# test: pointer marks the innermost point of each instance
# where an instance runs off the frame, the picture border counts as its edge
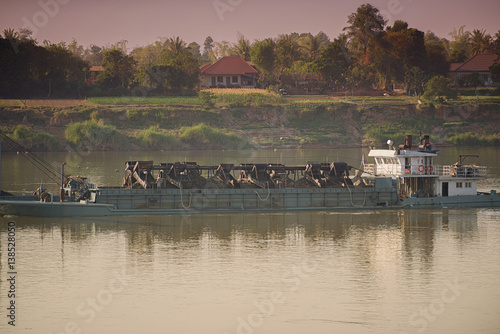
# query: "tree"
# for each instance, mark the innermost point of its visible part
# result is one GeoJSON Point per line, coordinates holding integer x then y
{"type": "Point", "coordinates": [459, 47]}
{"type": "Point", "coordinates": [415, 78]}
{"type": "Point", "coordinates": [21, 66]}
{"type": "Point", "coordinates": [64, 70]}
{"type": "Point", "coordinates": [287, 51]}
{"type": "Point", "coordinates": [263, 56]}
{"type": "Point", "coordinates": [181, 72]}
{"type": "Point", "coordinates": [437, 56]}
{"type": "Point", "coordinates": [75, 49]}
{"type": "Point", "coordinates": [147, 57]}
{"type": "Point", "coordinates": [207, 50]}
{"type": "Point", "coordinates": [396, 50]}
{"type": "Point", "coordinates": [166, 67]}
{"type": "Point", "coordinates": [438, 88]}
{"type": "Point", "coordinates": [496, 44]}
{"type": "Point", "coordinates": [29, 70]}
{"type": "Point", "coordinates": [194, 49]}
{"type": "Point", "coordinates": [398, 26]}
{"type": "Point", "coordinates": [365, 24]}
{"type": "Point", "coordinates": [175, 45]}
{"type": "Point", "coordinates": [495, 73]}
{"type": "Point", "coordinates": [315, 44]}
{"type": "Point", "coordinates": [119, 68]}
{"type": "Point", "coordinates": [242, 47]}
{"type": "Point", "coordinates": [480, 42]}
{"type": "Point", "coordinates": [222, 49]}
{"type": "Point", "coordinates": [334, 62]}
{"type": "Point", "coordinates": [93, 55]}
{"type": "Point", "coordinates": [384, 59]}
{"type": "Point", "coordinates": [11, 34]}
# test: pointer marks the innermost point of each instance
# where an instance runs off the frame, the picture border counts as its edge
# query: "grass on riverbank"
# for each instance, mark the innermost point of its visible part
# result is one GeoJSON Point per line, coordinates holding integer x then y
{"type": "Point", "coordinates": [129, 100]}
{"type": "Point", "coordinates": [212, 138]}
{"type": "Point", "coordinates": [473, 139]}
{"type": "Point", "coordinates": [154, 138]}
{"type": "Point", "coordinates": [93, 135]}
{"type": "Point", "coordinates": [36, 141]}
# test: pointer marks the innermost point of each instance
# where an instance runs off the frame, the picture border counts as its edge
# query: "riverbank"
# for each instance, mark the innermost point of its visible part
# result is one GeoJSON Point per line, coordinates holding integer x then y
{"type": "Point", "coordinates": [254, 121]}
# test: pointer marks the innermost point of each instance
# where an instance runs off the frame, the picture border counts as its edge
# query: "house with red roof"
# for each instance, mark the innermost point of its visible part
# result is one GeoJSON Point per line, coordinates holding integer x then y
{"type": "Point", "coordinates": [479, 64]}
{"type": "Point", "coordinates": [229, 72]}
{"type": "Point", "coordinates": [93, 73]}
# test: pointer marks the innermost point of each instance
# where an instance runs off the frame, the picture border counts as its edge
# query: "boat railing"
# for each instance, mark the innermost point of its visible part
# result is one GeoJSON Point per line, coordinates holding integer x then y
{"type": "Point", "coordinates": [461, 171]}
{"type": "Point", "coordinates": [369, 168]}
{"type": "Point", "coordinates": [442, 170]}
{"type": "Point", "coordinates": [387, 169]}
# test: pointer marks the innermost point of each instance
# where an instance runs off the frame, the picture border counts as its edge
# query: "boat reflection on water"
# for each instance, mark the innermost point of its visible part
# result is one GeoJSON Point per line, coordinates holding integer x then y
{"type": "Point", "coordinates": [412, 226]}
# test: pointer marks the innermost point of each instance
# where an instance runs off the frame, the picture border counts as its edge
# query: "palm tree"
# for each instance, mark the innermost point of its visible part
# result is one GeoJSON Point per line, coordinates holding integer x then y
{"type": "Point", "coordinates": [496, 43]}
{"type": "Point", "coordinates": [11, 34]}
{"type": "Point", "coordinates": [288, 50]}
{"type": "Point", "coordinates": [480, 42]}
{"type": "Point", "coordinates": [315, 44]}
{"type": "Point", "coordinates": [176, 45]}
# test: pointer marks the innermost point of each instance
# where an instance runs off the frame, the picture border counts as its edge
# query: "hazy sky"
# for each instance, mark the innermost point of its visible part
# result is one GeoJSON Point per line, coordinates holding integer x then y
{"type": "Point", "coordinates": [141, 22]}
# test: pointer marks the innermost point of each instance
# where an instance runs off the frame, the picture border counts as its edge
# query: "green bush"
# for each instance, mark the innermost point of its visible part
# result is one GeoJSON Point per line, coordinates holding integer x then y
{"type": "Point", "coordinates": [438, 88]}
{"type": "Point", "coordinates": [92, 135]}
{"type": "Point", "coordinates": [95, 116]}
{"type": "Point", "coordinates": [132, 114]}
{"type": "Point", "coordinates": [207, 99]}
{"type": "Point", "coordinates": [34, 140]}
{"type": "Point", "coordinates": [472, 139]}
{"type": "Point", "coordinates": [157, 139]}
{"type": "Point", "coordinates": [212, 138]}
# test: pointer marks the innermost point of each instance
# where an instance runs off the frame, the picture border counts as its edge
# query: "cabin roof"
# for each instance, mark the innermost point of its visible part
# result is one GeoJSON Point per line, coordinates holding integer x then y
{"type": "Point", "coordinates": [399, 154]}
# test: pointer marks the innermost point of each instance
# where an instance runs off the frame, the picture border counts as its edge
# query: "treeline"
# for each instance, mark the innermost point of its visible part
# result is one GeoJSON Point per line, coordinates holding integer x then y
{"type": "Point", "coordinates": [367, 54]}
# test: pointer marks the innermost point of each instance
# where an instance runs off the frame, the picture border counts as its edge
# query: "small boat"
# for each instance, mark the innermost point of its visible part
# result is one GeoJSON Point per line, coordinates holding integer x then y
{"type": "Point", "coordinates": [400, 178]}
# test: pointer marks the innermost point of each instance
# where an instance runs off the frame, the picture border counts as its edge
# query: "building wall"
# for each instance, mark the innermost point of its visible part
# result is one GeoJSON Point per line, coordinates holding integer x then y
{"type": "Point", "coordinates": [234, 81]}
{"type": "Point", "coordinates": [457, 187]}
{"type": "Point", "coordinates": [460, 78]}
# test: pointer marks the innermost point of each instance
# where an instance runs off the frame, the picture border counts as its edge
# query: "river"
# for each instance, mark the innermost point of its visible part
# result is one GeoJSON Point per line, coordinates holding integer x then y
{"type": "Point", "coordinates": [387, 271]}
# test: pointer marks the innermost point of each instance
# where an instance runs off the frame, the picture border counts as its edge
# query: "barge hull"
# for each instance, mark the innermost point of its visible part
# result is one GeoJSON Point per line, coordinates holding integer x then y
{"type": "Point", "coordinates": [466, 201]}
{"type": "Point", "coordinates": [151, 202]}
{"type": "Point", "coordinates": [174, 201]}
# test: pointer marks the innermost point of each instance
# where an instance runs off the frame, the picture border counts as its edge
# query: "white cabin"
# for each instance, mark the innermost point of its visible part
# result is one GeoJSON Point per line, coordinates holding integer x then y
{"type": "Point", "coordinates": [418, 176]}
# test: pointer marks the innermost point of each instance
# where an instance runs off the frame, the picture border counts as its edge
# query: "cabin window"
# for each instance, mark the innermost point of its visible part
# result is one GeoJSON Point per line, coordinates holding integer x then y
{"type": "Point", "coordinates": [235, 79]}
{"type": "Point", "coordinates": [459, 184]}
{"type": "Point", "coordinates": [468, 184]}
{"type": "Point", "coordinates": [220, 79]}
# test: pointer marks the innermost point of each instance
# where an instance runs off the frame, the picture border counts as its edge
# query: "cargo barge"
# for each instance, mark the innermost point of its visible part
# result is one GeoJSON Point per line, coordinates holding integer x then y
{"type": "Point", "coordinates": [401, 177]}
